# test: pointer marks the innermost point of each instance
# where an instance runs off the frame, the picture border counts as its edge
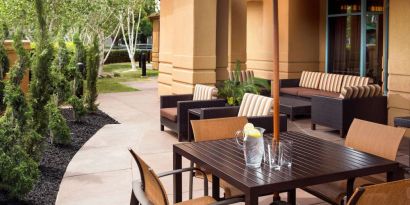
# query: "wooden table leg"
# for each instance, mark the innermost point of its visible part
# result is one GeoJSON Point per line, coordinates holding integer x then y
{"type": "Point", "coordinates": [397, 174]}
{"type": "Point", "coordinates": [177, 178]}
{"type": "Point", "coordinates": [251, 199]}
{"type": "Point", "coordinates": [215, 188]}
{"type": "Point", "coordinates": [292, 197]}
{"type": "Point", "coordinates": [349, 188]}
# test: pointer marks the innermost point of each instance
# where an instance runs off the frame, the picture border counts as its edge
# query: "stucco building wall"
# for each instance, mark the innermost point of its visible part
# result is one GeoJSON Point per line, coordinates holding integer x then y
{"type": "Point", "coordinates": [399, 63]}
{"type": "Point", "coordinates": [12, 56]}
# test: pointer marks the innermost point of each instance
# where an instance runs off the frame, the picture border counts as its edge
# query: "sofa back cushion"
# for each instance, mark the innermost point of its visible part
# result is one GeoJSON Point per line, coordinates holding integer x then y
{"type": "Point", "coordinates": [204, 92]}
{"type": "Point", "coordinates": [310, 79]}
{"type": "Point", "coordinates": [255, 105]}
{"type": "Point", "coordinates": [350, 80]}
{"type": "Point", "coordinates": [242, 76]}
{"type": "Point", "coordinates": [361, 91]}
{"type": "Point", "coordinates": [331, 82]}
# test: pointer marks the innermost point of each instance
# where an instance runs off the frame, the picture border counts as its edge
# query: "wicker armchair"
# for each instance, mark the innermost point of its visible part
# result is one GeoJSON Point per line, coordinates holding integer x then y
{"type": "Point", "coordinates": [256, 108]}
{"type": "Point", "coordinates": [150, 191]}
{"type": "Point", "coordinates": [383, 194]}
{"type": "Point", "coordinates": [174, 108]}
{"type": "Point", "coordinates": [372, 138]}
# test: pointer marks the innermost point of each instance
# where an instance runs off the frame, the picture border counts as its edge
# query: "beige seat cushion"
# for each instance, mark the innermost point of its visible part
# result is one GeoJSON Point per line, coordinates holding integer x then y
{"type": "Point", "coordinates": [169, 113]}
{"type": "Point", "coordinates": [312, 92]}
{"type": "Point", "coordinates": [293, 90]}
{"type": "Point", "coordinates": [198, 201]}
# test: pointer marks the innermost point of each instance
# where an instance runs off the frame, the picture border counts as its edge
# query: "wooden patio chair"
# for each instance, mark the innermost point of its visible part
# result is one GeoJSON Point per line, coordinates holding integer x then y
{"type": "Point", "coordinates": [369, 137]}
{"type": "Point", "coordinates": [217, 129]}
{"type": "Point", "coordinates": [397, 193]}
{"type": "Point", "coordinates": [150, 191]}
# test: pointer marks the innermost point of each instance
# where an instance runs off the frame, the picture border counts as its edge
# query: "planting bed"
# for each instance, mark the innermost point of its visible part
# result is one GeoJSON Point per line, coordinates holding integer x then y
{"type": "Point", "coordinates": [56, 158]}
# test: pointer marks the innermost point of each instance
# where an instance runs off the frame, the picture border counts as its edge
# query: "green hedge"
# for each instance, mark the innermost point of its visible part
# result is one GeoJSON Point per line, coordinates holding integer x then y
{"type": "Point", "coordinates": [119, 56]}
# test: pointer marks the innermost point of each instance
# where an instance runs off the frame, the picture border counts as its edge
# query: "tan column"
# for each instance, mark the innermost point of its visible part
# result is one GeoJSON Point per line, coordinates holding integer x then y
{"type": "Point", "coordinates": [237, 34]}
{"type": "Point", "coordinates": [166, 48]}
{"type": "Point", "coordinates": [399, 63]}
{"type": "Point", "coordinates": [155, 40]}
{"type": "Point", "coordinates": [194, 44]}
{"type": "Point", "coordinates": [222, 40]}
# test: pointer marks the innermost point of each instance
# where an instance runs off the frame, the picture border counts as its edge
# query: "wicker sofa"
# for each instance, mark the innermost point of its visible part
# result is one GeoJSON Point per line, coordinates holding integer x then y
{"type": "Point", "coordinates": [174, 108]}
{"type": "Point", "coordinates": [338, 99]}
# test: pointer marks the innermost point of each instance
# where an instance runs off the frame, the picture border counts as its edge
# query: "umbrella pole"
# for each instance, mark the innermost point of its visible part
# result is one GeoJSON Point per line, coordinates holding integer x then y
{"type": "Point", "coordinates": [275, 81]}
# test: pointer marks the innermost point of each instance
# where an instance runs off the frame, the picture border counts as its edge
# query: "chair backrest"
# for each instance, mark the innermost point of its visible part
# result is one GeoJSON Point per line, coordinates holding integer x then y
{"type": "Point", "coordinates": [255, 105]}
{"type": "Point", "coordinates": [397, 193]}
{"type": "Point", "coordinates": [204, 92]}
{"type": "Point", "coordinates": [373, 138]}
{"type": "Point", "coordinates": [216, 129]}
{"type": "Point", "coordinates": [152, 187]}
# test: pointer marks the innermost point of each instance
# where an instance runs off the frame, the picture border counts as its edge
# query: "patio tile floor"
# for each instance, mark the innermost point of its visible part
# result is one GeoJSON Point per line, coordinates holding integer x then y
{"type": "Point", "coordinates": [102, 171]}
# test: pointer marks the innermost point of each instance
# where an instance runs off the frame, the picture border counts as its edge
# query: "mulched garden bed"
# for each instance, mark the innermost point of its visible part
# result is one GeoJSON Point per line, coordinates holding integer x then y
{"type": "Point", "coordinates": [56, 158]}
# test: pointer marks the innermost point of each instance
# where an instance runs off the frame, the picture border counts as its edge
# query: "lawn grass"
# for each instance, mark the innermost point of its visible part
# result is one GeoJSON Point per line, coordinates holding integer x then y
{"type": "Point", "coordinates": [113, 85]}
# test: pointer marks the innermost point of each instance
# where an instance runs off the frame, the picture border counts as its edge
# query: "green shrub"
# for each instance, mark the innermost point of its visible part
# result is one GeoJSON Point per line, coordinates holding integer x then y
{"type": "Point", "coordinates": [78, 107]}
{"type": "Point", "coordinates": [20, 144]}
{"type": "Point", "coordinates": [59, 131]}
{"type": "Point", "coordinates": [60, 71]}
{"type": "Point", "coordinates": [41, 79]}
{"type": "Point", "coordinates": [4, 66]}
{"type": "Point", "coordinates": [233, 91]}
{"type": "Point", "coordinates": [80, 56]}
{"type": "Point", "coordinates": [120, 56]}
{"type": "Point", "coordinates": [93, 59]}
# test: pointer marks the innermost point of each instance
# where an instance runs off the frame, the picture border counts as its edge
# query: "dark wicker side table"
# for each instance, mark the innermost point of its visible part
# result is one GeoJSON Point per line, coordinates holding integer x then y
{"type": "Point", "coordinates": [403, 122]}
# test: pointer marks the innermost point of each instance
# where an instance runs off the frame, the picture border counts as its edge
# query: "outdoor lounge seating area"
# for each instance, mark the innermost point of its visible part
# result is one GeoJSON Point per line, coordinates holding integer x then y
{"type": "Point", "coordinates": [205, 102]}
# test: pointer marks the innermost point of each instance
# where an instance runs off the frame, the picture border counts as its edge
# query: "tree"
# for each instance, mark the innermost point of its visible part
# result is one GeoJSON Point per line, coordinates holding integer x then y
{"type": "Point", "coordinates": [20, 145]}
{"type": "Point", "coordinates": [41, 80]}
{"type": "Point", "coordinates": [60, 72]}
{"type": "Point", "coordinates": [93, 59]}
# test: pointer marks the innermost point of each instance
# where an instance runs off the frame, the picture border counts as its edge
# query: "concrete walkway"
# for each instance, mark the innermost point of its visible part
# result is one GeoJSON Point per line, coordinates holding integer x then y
{"type": "Point", "coordinates": [102, 171]}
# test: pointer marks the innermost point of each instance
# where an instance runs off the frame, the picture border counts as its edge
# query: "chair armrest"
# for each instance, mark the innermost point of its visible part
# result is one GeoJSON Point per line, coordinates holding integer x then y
{"type": "Point", "coordinates": [140, 194]}
{"type": "Point", "coordinates": [266, 122]}
{"type": "Point", "coordinates": [219, 112]}
{"type": "Point", "coordinates": [230, 201]}
{"type": "Point", "coordinates": [178, 171]}
{"type": "Point", "coordinates": [184, 106]}
{"type": "Point", "coordinates": [327, 111]}
{"type": "Point", "coordinates": [289, 83]}
{"type": "Point", "coordinates": [168, 101]}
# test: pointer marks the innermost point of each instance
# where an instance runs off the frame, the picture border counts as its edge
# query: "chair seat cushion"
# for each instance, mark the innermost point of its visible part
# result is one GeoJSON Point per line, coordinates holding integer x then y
{"type": "Point", "coordinates": [294, 90]}
{"type": "Point", "coordinates": [169, 113]}
{"type": "Point", "coordinates": [335, 191]}
{"type": "Point", "coordinates": [198, 201]}
{"type": "Point", "coordinates": [308, 93]}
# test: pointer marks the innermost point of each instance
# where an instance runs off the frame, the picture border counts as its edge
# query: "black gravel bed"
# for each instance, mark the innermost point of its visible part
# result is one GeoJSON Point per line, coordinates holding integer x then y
{"type": "Point", "coordinates": [56, 158]}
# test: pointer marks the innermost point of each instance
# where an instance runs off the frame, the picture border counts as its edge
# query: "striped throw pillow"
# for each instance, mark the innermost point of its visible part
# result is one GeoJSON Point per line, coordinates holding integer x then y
{"type": "Point", "coordinates": [350, 80]}
{"type": "Point", "coordinates": [204, 92]}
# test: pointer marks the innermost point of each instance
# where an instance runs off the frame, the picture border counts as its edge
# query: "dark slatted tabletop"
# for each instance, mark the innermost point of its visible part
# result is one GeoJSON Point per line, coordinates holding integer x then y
{"type": "Point", "coordinates": [315, 161]}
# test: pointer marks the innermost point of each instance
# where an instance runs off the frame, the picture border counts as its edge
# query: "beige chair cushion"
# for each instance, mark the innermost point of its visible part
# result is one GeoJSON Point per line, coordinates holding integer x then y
{"type": "Point", "coordinates": [310, 79]}
{"type": "Point", "coordinates": [350, 80]}
{"type": "Point", "coordinates": [170, 113]}
{"type": "Point", "coordinates": [204, 92]}
{"type": "Point", "coordinates": [331, 83]}
{"type": "Point", "coordinates": [255, 105]}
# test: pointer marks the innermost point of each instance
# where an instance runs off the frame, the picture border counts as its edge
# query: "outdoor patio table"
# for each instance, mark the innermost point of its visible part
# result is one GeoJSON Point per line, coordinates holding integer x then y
{"type": "Point", "coordinates": [315, 161]}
